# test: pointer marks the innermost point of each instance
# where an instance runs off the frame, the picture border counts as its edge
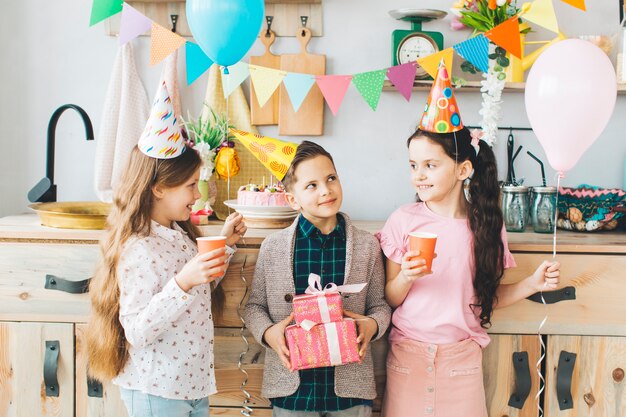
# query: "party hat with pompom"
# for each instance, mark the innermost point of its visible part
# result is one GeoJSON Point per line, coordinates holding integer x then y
{"type": "Point", "coordinates": [441, 114]}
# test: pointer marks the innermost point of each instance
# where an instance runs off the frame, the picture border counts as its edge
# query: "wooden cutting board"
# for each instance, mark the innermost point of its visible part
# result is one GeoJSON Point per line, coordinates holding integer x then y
{"type": "Point", "coordinates": [268, 114]}
{"type": "Point", "coordinates": [309, 120]}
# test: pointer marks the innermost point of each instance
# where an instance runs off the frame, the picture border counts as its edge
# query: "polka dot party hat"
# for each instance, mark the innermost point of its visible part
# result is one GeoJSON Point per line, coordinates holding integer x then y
{"type": "Point", "coordinates": [275, 154]}
{"type": "Point", "coordinates": [441, 114]}
{"type": "Point", "coordinates": [162, 137]}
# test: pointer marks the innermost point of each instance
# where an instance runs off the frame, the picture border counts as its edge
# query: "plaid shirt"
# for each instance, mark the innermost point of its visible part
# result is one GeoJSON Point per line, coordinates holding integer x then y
{"type": "Point", "coordinates": [324, 255]}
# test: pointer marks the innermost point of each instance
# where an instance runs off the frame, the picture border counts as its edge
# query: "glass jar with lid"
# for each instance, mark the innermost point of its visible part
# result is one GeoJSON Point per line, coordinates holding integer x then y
{"type": "Point", "coordinates": [543, 209]}
{"type": "Point", "coordinates": [515, 207]}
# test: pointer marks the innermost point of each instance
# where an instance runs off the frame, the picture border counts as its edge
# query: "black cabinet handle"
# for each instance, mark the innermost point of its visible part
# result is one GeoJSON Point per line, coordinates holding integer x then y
{"type": "Point", "coordinates": [50, 366]}
{"type": "Point", "coordinates": [73, 287]}
{"type": "Point", "coordinates": [522, 380]}
{"type": "Point", "coordinates": [94, 388]}
{"type": "Point", "coordinates": [564, 372]}
{"type": "Point", "coordinates": [551, 297]}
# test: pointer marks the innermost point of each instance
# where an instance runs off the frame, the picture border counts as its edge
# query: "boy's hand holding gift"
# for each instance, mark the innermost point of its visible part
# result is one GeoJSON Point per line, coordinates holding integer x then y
{"type": "Point", "coordinates": [367, 328]}
{"type": "Point", "coordinates": [275, 337]}
{"type": "Point", "coordinates": [234, 228]}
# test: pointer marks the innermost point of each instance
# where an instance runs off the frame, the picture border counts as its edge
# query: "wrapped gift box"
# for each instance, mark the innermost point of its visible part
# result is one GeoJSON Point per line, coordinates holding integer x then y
{"type": "Point", "coordinates": [327, 344]}
{"type": "Point", "coordinates": [318, 308]}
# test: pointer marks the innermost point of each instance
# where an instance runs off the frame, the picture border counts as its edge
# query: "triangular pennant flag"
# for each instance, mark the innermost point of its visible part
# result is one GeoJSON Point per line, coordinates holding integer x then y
{"type": "Point", "coordinates": [541, 12]}
{"type": "Point", "coordinates": [196, 61]}
{"type": "Point", "coordinates": [579, 4]}
{"type": "Point", "coordinates": [298, 86]}
{"type": "Point", "coordinates": [507, 36]}
{"type": "Point", "coordinates": [162, 43]}
{"type": "Point", "coordinates": [370, 85]}
{"type": "Point", "coordinates": [402, 77]}
{"type": "Point", "coordinates": [103, 9]}
{"type": "Point", "coordinates": [265, 81]}
{"type": "Point", "coordinates": [476, 51]}
{"type": "Point", "coordinates": [133, 24]}
{"type": "Point", "coordinates": [236, 75]}
{"type": "Point", "coordinates": [333, 89]}
{"type": "Point", "coordinates": [430, 63]}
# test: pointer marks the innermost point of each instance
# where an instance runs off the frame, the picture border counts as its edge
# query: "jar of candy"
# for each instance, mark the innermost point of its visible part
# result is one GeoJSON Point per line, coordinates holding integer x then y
{"type": "Point", "coordinates": [515, 207]}
{"type": "Point", "coordinates": [543, 209]}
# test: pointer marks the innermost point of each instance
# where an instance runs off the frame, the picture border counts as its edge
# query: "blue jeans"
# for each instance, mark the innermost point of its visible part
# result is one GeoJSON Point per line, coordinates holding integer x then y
{"type": "Point", "coordinates": [139, 404]}
{"type": "Point", "coordinates": [358, 411]}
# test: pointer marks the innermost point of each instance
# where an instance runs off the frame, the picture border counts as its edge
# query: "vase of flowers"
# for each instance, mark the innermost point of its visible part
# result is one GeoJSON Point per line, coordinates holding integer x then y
{"type": "Point", "coordinates": [482, 16]}
{"type": "Point", "coordinates": [211, 138]}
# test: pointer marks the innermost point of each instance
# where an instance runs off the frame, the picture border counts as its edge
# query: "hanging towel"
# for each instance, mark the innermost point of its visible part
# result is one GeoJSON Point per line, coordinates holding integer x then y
{"type": "Point", "coordinates": [125, 112]}
{"type": "Point", "coordinates": [238, 116]}
{"type": "Point", "coordinates": [169, 74]}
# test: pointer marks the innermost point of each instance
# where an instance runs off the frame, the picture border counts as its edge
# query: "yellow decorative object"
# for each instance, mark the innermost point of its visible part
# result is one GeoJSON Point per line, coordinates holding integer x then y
{"type": "Point", "coordinates": [73, 215]}
{"type": "Point", "coordinates": [517, 67]}
{"type": "Point", "coordinates": [275, 154]}
{"type": "Point", "coordinates": [227, 163]}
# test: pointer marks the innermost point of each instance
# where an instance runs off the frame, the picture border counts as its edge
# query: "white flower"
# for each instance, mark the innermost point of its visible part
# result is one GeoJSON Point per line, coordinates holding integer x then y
{"type": "Point", "coordinates": [500, 2]}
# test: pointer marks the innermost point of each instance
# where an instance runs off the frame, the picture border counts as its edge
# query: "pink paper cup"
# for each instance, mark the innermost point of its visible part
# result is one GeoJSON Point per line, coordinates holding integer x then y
{"type": "Point", "coordinates": [209, 243]}
{"type": "Point", "coordinates": [425, 243]}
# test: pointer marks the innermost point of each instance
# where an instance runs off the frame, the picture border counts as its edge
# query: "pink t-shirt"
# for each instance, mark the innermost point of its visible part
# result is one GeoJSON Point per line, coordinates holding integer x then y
{"type": "Point", "coordinates": [437, 307]}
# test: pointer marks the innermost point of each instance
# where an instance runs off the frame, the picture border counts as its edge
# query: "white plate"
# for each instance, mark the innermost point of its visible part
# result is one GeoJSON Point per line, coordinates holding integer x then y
{"type": "Point", "coordinates": [262, 212]}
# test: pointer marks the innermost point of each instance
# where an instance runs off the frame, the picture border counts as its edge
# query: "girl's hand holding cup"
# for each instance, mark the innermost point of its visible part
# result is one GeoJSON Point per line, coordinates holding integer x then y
{"type": "Point", "coordinates": [413, 267]}
{"type": "Point", "coordinates": [202, 269]}
{"type": "Point", "coordinates": [234, 228]}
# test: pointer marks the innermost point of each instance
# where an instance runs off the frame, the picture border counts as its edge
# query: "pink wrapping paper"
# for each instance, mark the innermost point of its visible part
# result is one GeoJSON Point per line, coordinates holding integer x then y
{"type": "Point", "coordinates": [328, 344]}
{"type": "Point", "coordinates": [318, 308]}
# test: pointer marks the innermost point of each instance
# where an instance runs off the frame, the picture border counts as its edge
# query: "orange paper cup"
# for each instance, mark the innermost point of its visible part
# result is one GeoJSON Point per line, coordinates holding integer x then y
{"type": "Point", "coordinates": [425, 243]}
{"type": "Point", "coordinates": [209, 243]}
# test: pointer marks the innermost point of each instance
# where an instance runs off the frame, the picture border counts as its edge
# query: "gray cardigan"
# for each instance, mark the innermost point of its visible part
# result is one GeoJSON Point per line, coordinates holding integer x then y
{"type": "Point", "coordinates": [270, 302]}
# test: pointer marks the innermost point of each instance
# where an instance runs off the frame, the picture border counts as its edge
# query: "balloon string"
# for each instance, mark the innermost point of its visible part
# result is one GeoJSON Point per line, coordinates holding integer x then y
{"type": "Point", "coordinates": [542, 380]}
{"type": "Point", "coordinates": [226, 136]}
{"type": "Point", "coordinates": [246, 410]}
{"type": "Point", "coordinates": [559, 175]}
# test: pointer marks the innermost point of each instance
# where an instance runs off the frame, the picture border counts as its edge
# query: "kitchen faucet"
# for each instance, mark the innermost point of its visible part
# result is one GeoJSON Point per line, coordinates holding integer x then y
{"type": "Point", "coordinates": [46, 190]}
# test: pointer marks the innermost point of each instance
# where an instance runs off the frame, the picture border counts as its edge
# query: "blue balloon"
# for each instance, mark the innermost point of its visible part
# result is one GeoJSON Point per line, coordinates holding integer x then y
{"type": "Point", "coordinates": [225, 29]}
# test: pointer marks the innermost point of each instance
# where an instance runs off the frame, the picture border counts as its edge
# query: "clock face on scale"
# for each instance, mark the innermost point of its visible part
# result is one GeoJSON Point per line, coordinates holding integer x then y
{"type": "Point", "coordinates": [416, 46]}
{"type": "Point", "coordinates": [411, 45]}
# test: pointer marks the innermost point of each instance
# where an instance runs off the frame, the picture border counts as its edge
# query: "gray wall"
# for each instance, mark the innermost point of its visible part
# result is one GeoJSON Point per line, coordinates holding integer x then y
{"type": "Point", "coordinates": [51, 57]}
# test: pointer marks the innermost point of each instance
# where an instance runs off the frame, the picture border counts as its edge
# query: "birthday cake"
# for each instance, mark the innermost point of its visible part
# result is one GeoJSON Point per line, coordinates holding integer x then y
{"type": "Point", "coordinates": [262, 195]}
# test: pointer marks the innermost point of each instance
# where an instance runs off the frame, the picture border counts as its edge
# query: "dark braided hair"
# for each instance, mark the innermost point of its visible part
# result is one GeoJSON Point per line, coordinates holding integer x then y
{"type": "Point", "coordinates": [484, 214]}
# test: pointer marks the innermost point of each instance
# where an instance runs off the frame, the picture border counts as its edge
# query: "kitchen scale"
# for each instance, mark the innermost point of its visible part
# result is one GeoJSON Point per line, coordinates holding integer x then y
{"type": "Point", "coordinates": [410, 45]}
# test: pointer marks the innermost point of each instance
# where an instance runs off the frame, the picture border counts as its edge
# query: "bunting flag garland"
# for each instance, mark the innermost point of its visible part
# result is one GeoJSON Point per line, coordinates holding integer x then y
{"type": "Point", "coordinates": [430, 63]}
{"type": "Point", "coordinates": [236, 75]}
{"type": "Point", "coordinates": [402, 77]}
{"type": "Point", "coordinates": [476, 51]}
{"type": "Point", "coordinates": [333, 89]}
{"type": "Point", "coordinates": [163, 43]}
{"type": "Point", "coordinates": [132, 24]}
{"type": "Point", "coordinates": [265, 81]}
{"type": "Point", "coordinates": [507, 36]}
{"type": "Point", "coordinates": [103, 9]}
{"type": "Point", "coordinates": [541, 12]}
{"type": "Point", "coordinates": [298, 87]}
{"type": "Point", "coordinates": [370, 85]}
{"type": "Point", "coordinates": [196, 61]}
{"type": "Point", "coordinates": [579, 4]}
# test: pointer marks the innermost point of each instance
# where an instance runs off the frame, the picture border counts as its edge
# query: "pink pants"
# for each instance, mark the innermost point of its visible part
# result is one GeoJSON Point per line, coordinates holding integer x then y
{"type": "Point", "coordinates": [434, 380]}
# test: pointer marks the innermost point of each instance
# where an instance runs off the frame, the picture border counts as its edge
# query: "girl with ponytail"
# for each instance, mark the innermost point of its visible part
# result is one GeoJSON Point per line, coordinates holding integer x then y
{"type": "Point", "coordinates": [434, 365]}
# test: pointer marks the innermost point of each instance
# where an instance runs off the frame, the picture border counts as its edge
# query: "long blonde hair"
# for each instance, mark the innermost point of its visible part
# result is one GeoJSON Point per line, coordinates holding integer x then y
{"type": "Point", "coordinates": [130, 216]}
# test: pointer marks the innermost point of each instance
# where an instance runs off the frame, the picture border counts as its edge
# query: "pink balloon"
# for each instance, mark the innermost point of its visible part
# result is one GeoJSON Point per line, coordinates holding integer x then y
{"type": "Point", "coordinates": [570, 96]}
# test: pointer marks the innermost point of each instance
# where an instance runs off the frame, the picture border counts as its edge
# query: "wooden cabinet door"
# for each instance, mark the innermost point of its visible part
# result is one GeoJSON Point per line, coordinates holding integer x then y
{"type": "Point", "coordinates": [22, 353]}
{"type": "Point", "coordinates": [109, 404]}
{"type": "Point", "coordinates": [597, 387]}
{"type": "Point", "coordinates": [500, 376]}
